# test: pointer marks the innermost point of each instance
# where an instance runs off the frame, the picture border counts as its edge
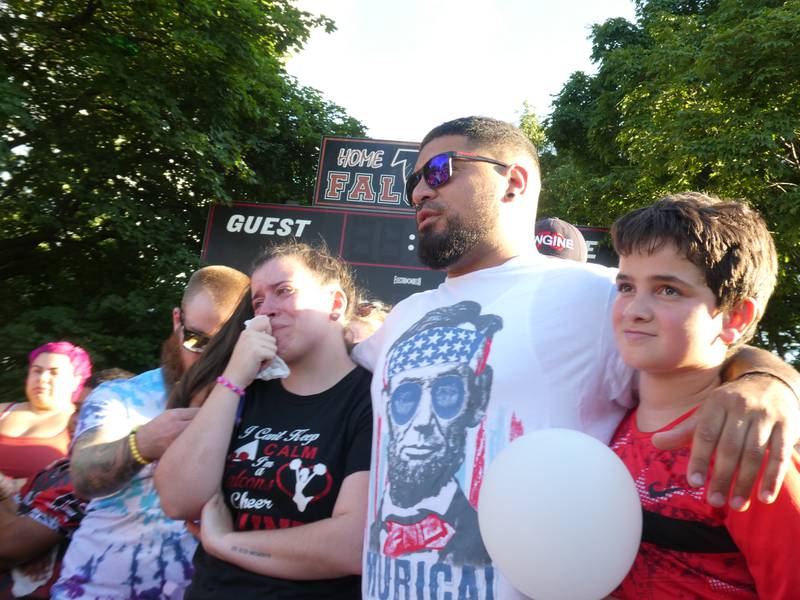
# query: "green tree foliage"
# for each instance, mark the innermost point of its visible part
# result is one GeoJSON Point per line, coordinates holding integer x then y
{"type": "Point", "coordinates": [696, 95]}
{"type": "Point", "coordinates": [532, 127]}
{"type": "Point", "coordinates": [120, 123]}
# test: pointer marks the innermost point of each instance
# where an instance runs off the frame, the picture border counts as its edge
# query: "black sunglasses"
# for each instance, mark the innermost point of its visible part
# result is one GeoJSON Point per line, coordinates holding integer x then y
{"type": "Point", "coordinates": [439, 169]}
{"type": "Point", "coordinates": [193, 341]}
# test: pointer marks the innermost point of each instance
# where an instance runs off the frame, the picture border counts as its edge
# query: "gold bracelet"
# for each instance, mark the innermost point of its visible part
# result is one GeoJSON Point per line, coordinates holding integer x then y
{"type": "Point", "coordinates": [137, 456]}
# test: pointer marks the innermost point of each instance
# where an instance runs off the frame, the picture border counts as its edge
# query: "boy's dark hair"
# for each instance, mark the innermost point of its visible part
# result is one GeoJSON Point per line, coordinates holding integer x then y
{"type": "Point", "coordinates": [728, 241]}
{"type": "Point", "coordinates": [487, 133]}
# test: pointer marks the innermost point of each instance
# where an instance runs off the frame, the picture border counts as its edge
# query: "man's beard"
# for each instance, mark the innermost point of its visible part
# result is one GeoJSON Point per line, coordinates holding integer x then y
{"type": "Point", "coordinates": [171, 361]}
{"type": "Point", "coordinates": [461, 236]}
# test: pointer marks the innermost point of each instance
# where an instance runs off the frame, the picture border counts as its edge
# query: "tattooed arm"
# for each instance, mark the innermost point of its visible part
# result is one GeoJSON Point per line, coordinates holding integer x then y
{"type": "Point", "coordinates": [99, 467]}
{"type": "Point", "coordinates": [102, 462]}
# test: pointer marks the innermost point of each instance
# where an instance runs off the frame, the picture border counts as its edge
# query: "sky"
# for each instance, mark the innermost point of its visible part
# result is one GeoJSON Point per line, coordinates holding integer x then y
{"type": "Point", "coordinates": [404, 66]}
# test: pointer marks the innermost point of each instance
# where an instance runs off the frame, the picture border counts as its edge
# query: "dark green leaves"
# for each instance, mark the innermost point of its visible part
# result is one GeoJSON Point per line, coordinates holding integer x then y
{"type": "Point", "coordinates": [120, 123]}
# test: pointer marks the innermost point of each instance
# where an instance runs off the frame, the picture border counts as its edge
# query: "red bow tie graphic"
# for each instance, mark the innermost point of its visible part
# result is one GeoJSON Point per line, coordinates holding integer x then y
{"type": "Point", "coordinates": [431, 533]}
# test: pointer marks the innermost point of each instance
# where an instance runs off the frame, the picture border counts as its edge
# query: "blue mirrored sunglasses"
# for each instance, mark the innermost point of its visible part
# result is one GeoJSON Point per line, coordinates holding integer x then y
{"type": "Point", "coordinates": [438, 170]}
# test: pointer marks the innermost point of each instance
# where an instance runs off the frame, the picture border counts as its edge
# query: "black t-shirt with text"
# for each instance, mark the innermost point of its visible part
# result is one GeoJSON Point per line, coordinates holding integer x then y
{"type": "Point", "coordinates": [286, 462]}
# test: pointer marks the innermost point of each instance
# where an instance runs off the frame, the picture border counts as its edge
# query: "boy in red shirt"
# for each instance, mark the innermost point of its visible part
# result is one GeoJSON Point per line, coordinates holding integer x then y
{"type": "Point", "coordinates": [695, 276]}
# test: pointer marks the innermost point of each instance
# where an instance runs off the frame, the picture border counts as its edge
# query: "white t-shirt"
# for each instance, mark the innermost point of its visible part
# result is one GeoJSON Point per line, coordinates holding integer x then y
{"type": "Point", "coordinates": [126, 547]}
{"type": "Point", "coordinates": [459, 372]}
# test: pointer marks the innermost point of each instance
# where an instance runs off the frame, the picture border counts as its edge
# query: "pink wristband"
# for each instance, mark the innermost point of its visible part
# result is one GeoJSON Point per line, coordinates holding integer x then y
{"type": "Point", "coordinates": [231, 386]}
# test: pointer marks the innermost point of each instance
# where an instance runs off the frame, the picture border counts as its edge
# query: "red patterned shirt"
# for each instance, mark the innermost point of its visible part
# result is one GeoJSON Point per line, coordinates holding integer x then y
{"type": "Point", "coordinates": [692, 550]}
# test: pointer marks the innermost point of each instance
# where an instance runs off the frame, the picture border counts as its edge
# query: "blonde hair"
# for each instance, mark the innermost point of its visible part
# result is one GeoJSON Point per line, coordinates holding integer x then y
{"type": "Point", "coordinates": [224, 285]}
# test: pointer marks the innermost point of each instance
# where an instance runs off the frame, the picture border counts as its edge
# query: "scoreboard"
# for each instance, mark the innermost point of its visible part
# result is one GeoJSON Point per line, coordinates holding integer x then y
{"type": "Point", "coordinates": [359, 211]}
{"type": "Point", "coordinates": [381, 247]}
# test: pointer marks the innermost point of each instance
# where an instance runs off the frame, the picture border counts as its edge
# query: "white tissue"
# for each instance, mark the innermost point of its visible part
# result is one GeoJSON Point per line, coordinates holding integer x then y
{"type": "Point", "coordinates": [277, 368]}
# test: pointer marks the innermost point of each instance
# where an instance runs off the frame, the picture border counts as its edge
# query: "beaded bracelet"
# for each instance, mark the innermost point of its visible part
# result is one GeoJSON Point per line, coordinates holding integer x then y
{"type": "Point", "coordinates": [137, 456]}
{"type": "Point", "coordinates": [231, 386]}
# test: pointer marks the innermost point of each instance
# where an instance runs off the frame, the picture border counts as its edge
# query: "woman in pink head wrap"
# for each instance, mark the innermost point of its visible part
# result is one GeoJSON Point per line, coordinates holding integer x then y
{"type": "Point", "coordinates": [34, 433]}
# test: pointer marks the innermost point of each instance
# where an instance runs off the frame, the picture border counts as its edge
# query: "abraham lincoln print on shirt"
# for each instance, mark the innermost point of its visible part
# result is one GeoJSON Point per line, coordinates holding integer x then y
{"type": "Point", "coordinates": [437, 382]}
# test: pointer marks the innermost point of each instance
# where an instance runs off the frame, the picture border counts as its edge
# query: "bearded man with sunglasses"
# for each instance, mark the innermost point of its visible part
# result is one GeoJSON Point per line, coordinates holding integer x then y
{"type": "Point", "coordinates": [451, 390]}
{"type": "Point", "coordinates": [126, 547]}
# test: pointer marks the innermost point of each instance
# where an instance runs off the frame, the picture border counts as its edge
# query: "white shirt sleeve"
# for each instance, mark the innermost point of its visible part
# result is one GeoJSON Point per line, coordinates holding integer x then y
{"type": "Point", "coordinates": [366, 352]}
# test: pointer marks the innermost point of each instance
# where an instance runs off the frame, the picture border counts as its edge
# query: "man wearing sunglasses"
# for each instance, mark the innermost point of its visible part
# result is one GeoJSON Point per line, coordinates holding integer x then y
{"type": "Point", "coordinates": [449, 394]}
{"type": "Point", "coordinates": [126, 547]}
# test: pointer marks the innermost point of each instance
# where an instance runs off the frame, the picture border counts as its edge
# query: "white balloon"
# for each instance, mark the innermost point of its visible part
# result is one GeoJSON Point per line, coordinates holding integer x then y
{"type": "Point", "coordinates": [560, 516]}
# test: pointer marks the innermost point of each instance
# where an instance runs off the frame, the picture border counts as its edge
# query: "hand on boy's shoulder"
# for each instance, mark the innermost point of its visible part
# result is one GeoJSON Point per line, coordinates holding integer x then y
{"type": "Point", "coordinates": [747, 425]}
